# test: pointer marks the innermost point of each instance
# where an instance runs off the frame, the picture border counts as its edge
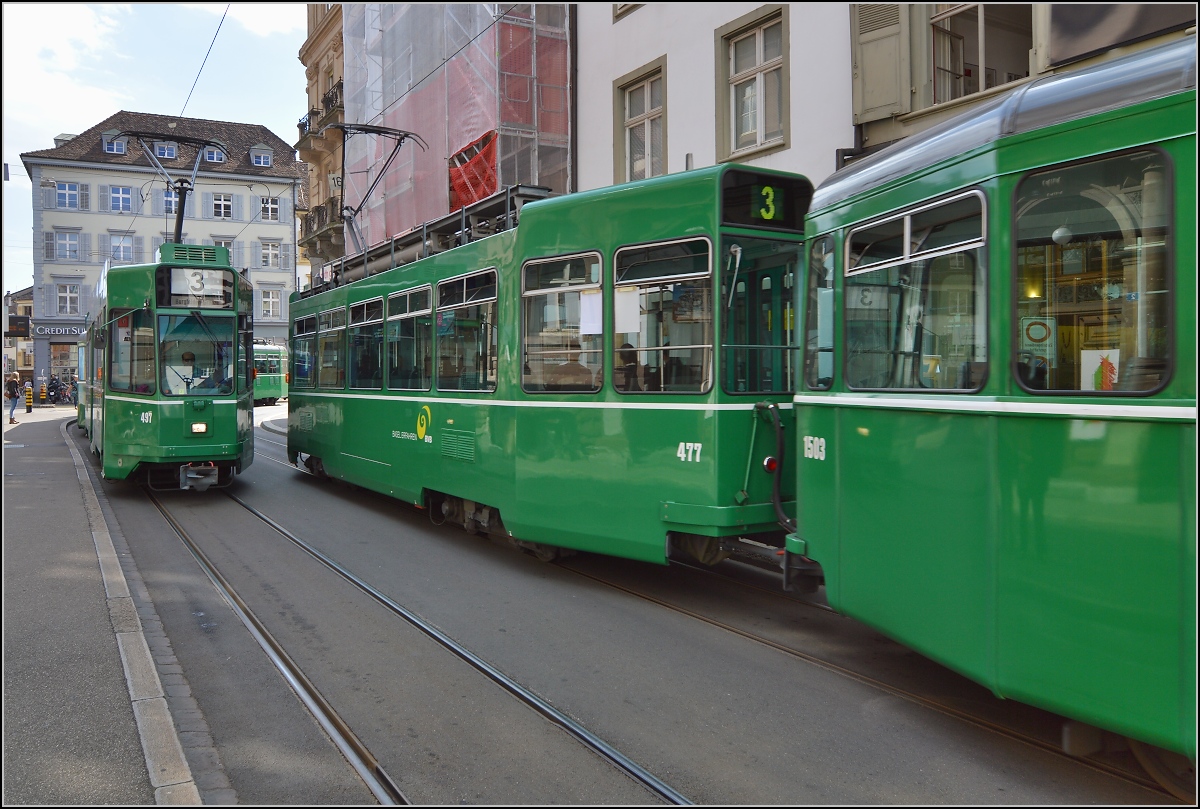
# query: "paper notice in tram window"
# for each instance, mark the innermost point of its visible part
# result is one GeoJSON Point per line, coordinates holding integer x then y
{"type": "Point", "coordinates": [627, 310]}
{"type": "Point", "coordinates": [591, 311]}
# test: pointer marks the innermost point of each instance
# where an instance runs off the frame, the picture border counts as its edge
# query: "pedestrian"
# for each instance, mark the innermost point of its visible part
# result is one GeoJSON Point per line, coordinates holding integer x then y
{"type": "Point", "coordinates": [12, 392]}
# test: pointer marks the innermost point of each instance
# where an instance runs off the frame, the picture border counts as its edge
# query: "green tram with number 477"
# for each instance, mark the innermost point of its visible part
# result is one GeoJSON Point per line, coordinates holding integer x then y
{"type": "Point", "coordinates": [996, 428]}
{"type": "Point", "coordinates": [602, 376]}
{"type": "Point", "coordinates": [270, 373]}
{"type": "Point", "coordinates": [167, 398]}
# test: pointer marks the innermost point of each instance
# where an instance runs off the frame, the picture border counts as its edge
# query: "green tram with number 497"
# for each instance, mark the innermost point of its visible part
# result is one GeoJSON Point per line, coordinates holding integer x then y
{"type": "Point", "coordinates": [601, 377]}
{"type": "Point", "coordinates": [995, 432]}
{"type": "Point", "coordinates": [167, 398]}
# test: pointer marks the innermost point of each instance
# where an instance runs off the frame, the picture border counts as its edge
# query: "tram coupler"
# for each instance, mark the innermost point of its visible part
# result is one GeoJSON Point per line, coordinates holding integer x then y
{"type": "Point", "coordinates": [198, 476]}
{"type": "Point", "coordinates": [800, 574]}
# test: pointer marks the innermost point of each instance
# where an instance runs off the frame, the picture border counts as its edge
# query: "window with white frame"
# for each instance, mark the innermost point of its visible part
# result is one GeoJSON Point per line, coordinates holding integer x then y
{"type": "Point", "coordinates": [116, 146]}
{"type": "Point", "coordinates": [272, 304]}
{"type": "Point", "coordinates": [120, 198]}
{"type": "Point", "coordinates": [756, 86]}
{"type": "Point", "coordinates": [214, 155]}
{"type": "Point", "coordinates": [260, 158]}
{"type": "Point", "coordinates": [222, 206]}
{"type": "Point", "coordinates": [166, 150]}
{"type": "Point", "coordinates": [170, 200]}
{"type": "Point", "coordinates": [121, 247]}
{"type": "Point", "coordinates": [67, 195]}
{"type": "Point", "coordinates": [68, 299]}
{"type": "Point", "coordinates": [66, 246]}
{"type": "Point", "coordinates": [226, 243]}
{"type": "Point", "coordinates": [270, 209]}
{"type": "Point", "coordinates": [270, 254]}
{"type": "Point", "coordinates": [644, 129]}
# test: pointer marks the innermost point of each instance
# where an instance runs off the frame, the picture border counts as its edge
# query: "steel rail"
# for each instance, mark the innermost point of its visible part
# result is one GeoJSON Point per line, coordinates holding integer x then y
{"type": "Point", "coordinates": [367, 766]}
{"type": "Point", "coordinates": [573, 728]}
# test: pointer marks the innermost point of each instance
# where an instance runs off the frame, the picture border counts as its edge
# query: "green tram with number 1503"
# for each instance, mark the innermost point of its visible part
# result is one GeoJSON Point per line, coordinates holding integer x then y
{"type": "Point", "coordinates": [996, 430]}
{"type": "Point", "coordinates": [168, 394]}
{"type": "Point", "coordinates": [600, 377]}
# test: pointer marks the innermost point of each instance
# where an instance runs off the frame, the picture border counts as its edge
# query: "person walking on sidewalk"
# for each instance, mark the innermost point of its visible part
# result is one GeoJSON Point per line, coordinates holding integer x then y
{"type": "Point", "coordinates": [12, 392]}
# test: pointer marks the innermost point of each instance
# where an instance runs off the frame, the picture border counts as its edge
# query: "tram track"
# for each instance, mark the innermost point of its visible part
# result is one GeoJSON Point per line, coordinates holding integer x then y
{"type": "Point", "coordinates": [376, 778]}
{"type": "Point", "coordinates": [1112, 770]}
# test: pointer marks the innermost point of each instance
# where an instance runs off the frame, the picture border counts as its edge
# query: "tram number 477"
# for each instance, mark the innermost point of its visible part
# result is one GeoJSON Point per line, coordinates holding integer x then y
{"type": "Point", "coordinates": [688, 452]}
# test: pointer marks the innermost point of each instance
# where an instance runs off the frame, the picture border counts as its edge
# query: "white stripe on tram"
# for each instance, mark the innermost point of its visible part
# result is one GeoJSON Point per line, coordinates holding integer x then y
{"type": "Point", "coordinates": [547, 403]}
{"type": "Point", "coordinates": [979, 406]}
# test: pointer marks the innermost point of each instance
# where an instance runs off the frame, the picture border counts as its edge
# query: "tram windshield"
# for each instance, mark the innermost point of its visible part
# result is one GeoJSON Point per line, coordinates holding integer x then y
{"type": "Point", "coordinates": [196, 354]}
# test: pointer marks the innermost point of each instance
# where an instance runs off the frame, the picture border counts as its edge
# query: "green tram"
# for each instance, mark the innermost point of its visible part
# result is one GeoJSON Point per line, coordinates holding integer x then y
{"type": "Point", "coordinates": [600, 377]}
{"type": "Point", "coordinates": [168, 392]}
{"type": "Point", "coordinates": [996, 429]}
{"type": "Point", "coordinates": [271, 373]}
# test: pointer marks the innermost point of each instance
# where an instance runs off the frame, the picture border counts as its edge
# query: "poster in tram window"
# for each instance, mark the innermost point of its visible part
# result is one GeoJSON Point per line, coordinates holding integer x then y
{"type": "Point", "coordinates": [1099, 369]}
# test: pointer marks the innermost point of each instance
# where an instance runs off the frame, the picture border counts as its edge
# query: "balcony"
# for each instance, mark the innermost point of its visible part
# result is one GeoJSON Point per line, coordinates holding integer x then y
{"type": "Point", "coordinates": [313, 143]}
{"type": "Point", "coordinates": [321, 233]}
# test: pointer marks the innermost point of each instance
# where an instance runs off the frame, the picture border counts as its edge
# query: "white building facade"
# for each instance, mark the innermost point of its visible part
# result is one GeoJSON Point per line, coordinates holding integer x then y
{"type": "Point", "coordinates": [664, 87]}
{"type": "Point", "coordinates": [97, 199]}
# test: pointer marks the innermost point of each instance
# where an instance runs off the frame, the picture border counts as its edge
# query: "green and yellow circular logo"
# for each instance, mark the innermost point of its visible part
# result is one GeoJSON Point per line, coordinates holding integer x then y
{"type": "Point", "coordinates": [423, 422]}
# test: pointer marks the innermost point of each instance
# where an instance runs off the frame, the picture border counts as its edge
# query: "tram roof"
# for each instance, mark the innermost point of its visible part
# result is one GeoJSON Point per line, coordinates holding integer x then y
{"type": "Point", "coordinates": [1142, 76]}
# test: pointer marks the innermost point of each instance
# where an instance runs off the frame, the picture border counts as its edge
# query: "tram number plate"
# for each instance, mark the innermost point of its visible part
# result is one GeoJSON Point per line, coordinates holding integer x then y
{"type": "Point", "coordinates": [814, 447]}
{"type": "Point", "coordinates": [688, 451]}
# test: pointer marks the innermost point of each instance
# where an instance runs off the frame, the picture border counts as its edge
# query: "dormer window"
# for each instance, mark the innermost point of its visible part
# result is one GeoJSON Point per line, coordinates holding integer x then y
{"type": "Point", "coordinates": [260, 157]}
{"type": "Point", "coordinates": [214, 155]}
{"type": "Point", "coordinates": [165, 150]}
{"type": "Point", "coordinates": [114, 146]}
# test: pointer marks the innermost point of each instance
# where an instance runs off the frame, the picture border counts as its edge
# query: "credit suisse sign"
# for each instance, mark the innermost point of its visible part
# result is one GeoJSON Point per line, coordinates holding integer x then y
{"type": "Point", "coordinates": [58, 331]}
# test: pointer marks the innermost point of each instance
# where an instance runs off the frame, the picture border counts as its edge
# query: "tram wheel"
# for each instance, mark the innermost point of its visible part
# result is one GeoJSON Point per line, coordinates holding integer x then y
{"type": "Point", "coordinates": [1173, 771]}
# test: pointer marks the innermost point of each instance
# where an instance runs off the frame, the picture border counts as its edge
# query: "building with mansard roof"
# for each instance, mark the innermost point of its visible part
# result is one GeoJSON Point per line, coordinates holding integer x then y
{"type": "Point", "coordinates": [99, 199]}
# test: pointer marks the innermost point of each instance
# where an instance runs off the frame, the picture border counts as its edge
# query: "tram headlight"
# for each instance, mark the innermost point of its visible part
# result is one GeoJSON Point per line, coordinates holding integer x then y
{"type": "Point", "coordinates": [199, 427]}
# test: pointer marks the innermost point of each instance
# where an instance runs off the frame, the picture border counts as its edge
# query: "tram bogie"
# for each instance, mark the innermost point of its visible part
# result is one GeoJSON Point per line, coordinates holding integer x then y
{"type": "Point", "coordinates": [168, 395]}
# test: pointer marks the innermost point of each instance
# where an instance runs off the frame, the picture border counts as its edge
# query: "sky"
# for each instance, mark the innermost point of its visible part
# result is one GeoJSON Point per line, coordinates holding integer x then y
{"type": "Point", "coordinates": [69, 66]}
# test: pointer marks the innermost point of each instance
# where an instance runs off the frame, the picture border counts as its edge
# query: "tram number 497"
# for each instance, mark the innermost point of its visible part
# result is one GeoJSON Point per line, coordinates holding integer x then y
{"type": "Point", "coordinates": [688, 452]}
{"type": "Point", "coordinates": [814, 447]}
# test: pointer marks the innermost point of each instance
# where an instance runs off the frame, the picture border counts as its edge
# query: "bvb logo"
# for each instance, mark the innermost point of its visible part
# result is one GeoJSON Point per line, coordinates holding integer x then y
{"type": "Point", "coordinates": [423, 422]}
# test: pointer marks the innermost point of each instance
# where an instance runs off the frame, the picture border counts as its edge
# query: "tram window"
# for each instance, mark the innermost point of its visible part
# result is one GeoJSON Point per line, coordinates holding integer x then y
{"type": "Point", "coordinates": [562, 315]}
{"type": "Point", "coordinates": [662, 310]}
{"type": "Point", "coordinates": [197, 354]}
{"type": "Point", "coordinates": [131, 353]}
{"type": "Point", "coordinates": [303, 351]}
{"type": "Point", "coordinates": [1093, 280]}
{"type": "Point", "coordinates": [920, 324]}
{"type": "Point", "coordinates": [759, 343]}
{"type": "Point", "coordinates": [410, 340]}
{"type": "Point", "coordinates": [818, 335]}
{"type": "Point", "coordinates": [467, 333]}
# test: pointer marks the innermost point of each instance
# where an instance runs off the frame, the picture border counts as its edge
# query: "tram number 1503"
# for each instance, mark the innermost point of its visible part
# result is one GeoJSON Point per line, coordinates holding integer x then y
{"type": "Point", "coordinates": [814, 447]}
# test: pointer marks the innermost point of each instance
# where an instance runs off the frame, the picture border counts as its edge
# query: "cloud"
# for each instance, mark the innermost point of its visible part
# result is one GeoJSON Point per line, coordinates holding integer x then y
{"type": "Point", "coordinates": [263, 19]}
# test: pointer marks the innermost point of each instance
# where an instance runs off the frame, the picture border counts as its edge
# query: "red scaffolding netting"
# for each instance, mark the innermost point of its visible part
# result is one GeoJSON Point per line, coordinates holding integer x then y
{"type": "Point", "coordinates": [473, 172]}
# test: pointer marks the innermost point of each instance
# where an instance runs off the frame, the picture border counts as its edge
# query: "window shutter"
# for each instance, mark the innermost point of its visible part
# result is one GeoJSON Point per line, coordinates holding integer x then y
{"type": "Point", "coordinates": [50, 198]}
{"type": "Point", "coordinates": [255, 254]}
{"type": "Point", "coordinates": [155, 243]}
{"type": "Point", "coordinates": [48, 252]}
{"type": "Point", "coordinates": [136, 202]}
{"type": "Point", "coordinates": [285, 256]}
{"type": "Point", "coordinates": [85, 248]}
{"type": "Point", "coordinates": [258, 312]}
{"type": "Point", "coordinates": [156, 203]}
{"type": "Point", "coordinates": [84, 200]}
{"type": "Point", "coordinates": [50, 299]}
{"type": "Point", "coordinates": [139, 249]}
{"type": "Point", "coordinates": [105, 247]}
{"type": "Point", "coordinates": [102, 203]}
{"type": "Point", "coordinates": [189, 208]}
{"type": "Point", "coordinates": [879, 49]}
{"type": "Point", "coordinates": [285, 209]}
{"type": "Point", "coordinates": [206, 207]}
{"type": "Point", "coordinates": [206, 242]}
{"type": "Point", "coordinates": [237, 207]}
{"type": "Point", "coordinates": [255, 208]}
{"type": "Point", "coordinates": [237, 255]}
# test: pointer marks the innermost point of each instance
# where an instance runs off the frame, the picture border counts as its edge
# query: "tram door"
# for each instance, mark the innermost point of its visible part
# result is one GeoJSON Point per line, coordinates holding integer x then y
{"type": "Point", "coordinates": [759, 316]}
